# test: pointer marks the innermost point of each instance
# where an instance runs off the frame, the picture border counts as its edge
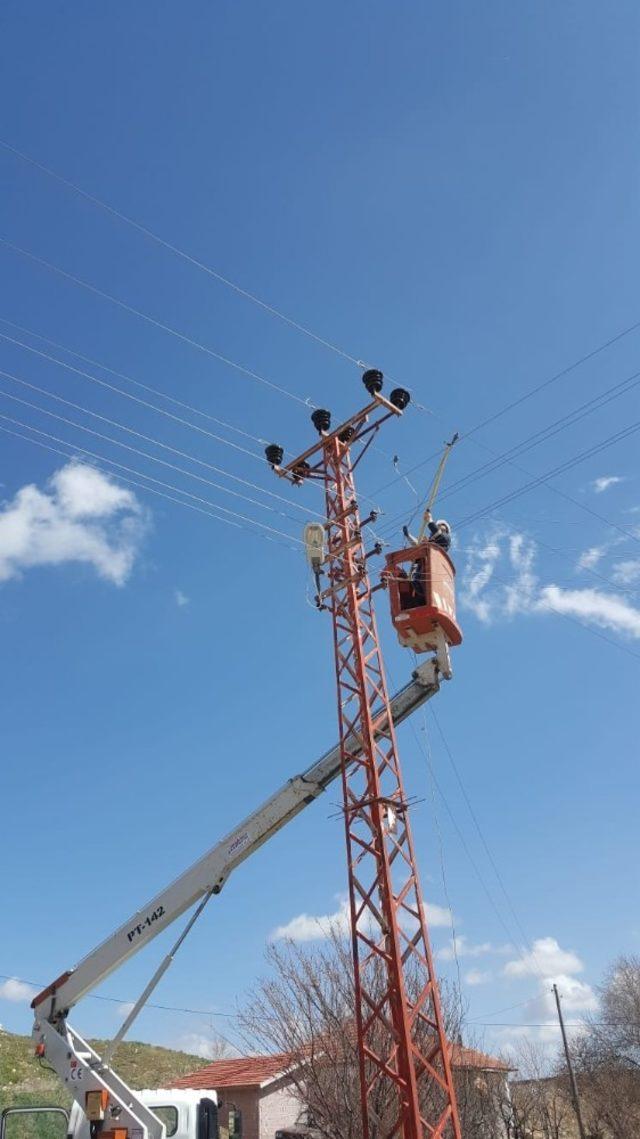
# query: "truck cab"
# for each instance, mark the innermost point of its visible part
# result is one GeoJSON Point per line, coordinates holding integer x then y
{"type": "Point", "coordinates": [186, 1114]}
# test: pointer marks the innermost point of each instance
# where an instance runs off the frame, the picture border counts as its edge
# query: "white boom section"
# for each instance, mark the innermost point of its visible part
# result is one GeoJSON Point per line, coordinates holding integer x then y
{"type": "Point", "coordinates": [212, 870]}
{"type": "Point", "coordinates": [76, 1064]}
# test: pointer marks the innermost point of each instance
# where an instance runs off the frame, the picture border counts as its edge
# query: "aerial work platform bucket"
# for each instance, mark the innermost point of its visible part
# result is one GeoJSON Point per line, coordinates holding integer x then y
{"type": "Point", "coordinates": [421, 584]}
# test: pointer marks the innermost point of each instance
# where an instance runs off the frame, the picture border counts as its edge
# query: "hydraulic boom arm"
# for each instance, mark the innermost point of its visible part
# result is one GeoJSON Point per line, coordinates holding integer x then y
{"type": "Point", "coordinates": [76, 1064]}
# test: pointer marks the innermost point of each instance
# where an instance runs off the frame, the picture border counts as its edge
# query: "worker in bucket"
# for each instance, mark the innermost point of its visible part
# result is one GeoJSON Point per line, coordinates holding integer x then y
{"type": "Point", "coordinates": [440, 532]}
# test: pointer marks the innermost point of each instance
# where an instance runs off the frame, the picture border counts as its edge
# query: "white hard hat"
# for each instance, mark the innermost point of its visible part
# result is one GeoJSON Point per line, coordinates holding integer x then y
{"type": "Point", "coordinates": [442, 525]}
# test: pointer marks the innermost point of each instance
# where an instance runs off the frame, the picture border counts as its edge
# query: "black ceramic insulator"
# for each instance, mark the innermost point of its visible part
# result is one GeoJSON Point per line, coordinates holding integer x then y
{"type": "Point", "coordinates": [400, 398]}
{"type": "Point", "coordinates": [274, 453]}
{"type": "Point", "coordinates": [321, 420]}
{"type": "Point", "coordinates": [372, 380]}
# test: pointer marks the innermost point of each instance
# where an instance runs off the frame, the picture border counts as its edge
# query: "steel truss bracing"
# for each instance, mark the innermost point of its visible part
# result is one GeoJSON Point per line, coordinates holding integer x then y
{"type": "Point", "coordinates": [405, 1068]}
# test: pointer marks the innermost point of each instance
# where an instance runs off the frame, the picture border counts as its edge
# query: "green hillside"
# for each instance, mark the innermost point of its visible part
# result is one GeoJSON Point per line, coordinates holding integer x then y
{"type": "Point", "coordinates": [25, 1080]}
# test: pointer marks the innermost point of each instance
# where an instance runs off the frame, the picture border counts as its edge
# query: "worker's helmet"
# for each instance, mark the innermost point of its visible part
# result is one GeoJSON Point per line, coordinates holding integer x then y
{"type": "Point", "coordinates": [444, 526]}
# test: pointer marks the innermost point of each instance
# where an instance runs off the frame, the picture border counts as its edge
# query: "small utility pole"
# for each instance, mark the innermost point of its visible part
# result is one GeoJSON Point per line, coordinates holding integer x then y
{"type": "Point", "coordinates": [572, 1077]}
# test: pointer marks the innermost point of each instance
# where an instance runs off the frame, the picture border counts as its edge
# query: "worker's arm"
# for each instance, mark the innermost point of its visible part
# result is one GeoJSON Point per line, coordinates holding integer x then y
{"type": "Point", "coordinates": [409, 536]}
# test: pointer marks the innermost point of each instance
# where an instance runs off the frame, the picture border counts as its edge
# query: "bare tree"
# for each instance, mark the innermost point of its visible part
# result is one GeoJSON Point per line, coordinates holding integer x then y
{"type": "Point", "coordinates": [539, 1103]}
{"type": "Point", "coordinates": [306, 1011]}
{"type": "Point", "coordinates": [481, 1097]}
{"type": "Point", "coordinates": [607, 1055]}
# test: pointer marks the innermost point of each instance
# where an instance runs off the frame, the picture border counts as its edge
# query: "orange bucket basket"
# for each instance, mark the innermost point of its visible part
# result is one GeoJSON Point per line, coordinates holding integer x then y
{"type": "Point", "coordinates": [421, 584]}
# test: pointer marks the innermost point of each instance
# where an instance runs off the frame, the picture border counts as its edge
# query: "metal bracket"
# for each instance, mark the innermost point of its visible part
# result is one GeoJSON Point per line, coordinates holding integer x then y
{"type": "Point", "coordinates": [443, 657]}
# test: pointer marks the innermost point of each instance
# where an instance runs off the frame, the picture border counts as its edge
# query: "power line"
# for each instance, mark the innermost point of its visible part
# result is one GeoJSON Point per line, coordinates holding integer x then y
{"type": "Point", "coordinates": [270, 1019]}
{"type": "Point", "coordinates": [436, 819]}
{"type": "Point", "coordinates": [566, 555]}
{"type": "Point", "coordinates": [476, 869]}
{"type": "Point", "coordinates": [588, 569]}
{"type": "Point", "coordinates": [508, 1008]}
{"type": "Point", "coordinates": [553, 379]}
{"type": "Point", "coordinates": [523, 398]}
{"type": "Point", "coordinates": [149, 1004]}
{"type": "Point", "coordinates": [145, 455]}
{"type": "Point", "coordinates": [462, 839]}
{"type": "Point", "coordinates": [482, 838]}
{"type": "Point", "coordinates": [559, 493]}
{"type": "Point", "coordinates": [152, 320]}
{"type": "Point", "coordinates": [556, 490]}
{"type": "Point", "coordinates": [581, 624]}
{"type": "Point", "coordinates": [527, 1024]}
{"type": "Point", "coordinates": [102, 458]}
{"type": "Point", "coordinates": [545, 433]}
{"type": "Point", "coordinates": [156, 442]}
{"type": "Point", "coordinates": [575, 621]}
{"type": "Point", "coordinates": [609, 441]}
{"type": "Point", "coordinates": [506, 457]}
{"type": "Point", "coordinates": [145, 403]}
{"type": "Point", "coordinates": [146, 231]}
{"type": "Point", "coordinates": [129, 380]}
{"type": "Point", "coordinates": [543, 479]}
{"type": "Point", "coordinates": [72, 453]}
{"type": "Point", "coordinates": [184, 255]}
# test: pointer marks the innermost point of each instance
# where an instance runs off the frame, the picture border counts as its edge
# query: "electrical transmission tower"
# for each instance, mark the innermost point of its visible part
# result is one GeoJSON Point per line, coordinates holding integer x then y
{"type": "Point", "coordinates": [405, 1068]}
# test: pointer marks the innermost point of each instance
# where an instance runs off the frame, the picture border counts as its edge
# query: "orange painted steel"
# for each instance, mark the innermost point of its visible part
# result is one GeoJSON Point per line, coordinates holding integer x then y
{"type": "Point", "coordinates": [404, 1055]}
{"type": "Point", "coordinates": [421, 583]}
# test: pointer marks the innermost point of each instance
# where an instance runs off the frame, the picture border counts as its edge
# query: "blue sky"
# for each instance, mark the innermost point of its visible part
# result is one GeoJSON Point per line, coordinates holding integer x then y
{"type": "Point", "coordinates": [449, 192]}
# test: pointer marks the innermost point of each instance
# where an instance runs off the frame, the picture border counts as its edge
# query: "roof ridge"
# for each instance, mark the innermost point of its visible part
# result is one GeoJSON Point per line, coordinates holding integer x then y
{"type": "Point", "coordinates": [258, 1069]}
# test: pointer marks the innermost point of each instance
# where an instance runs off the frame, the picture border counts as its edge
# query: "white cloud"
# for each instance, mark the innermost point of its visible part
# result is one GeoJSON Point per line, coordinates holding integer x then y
{"type": "Point", "coordinates": [604, 482]}
{"type": "Point", "coordinates": [540, 1015]}
{"type": "Point", "coordinates": [125, 1008]}
{"type": "Point", "coordinates": [576, 996]}
{"type": "Point", "coordinates": [309, 927]}
{"type": "Point", "coordinates": [477, 977]}
{"type": "Point", "coordinates": [317, 927]}
{"type": "Point", "coordinates": [17, 991]}
{"type": "Point", "coordinates": [438, 916]}
{"type": "Point", "coordinates": [592, 605]}
{"type": "Point", "coordinates": [492, 598]}
{"type": "Point", "coordinates": [84, 492]}
{"type": "Point", "coordinates": [590, 558]}
{"type": "Point", "coordinates": [81, 516]}
{"type": "Point", "coordinates": [489, 598]}
{"type": "Point", "coordinates": [461, 947]}
{"type": "Point", "coordinates": [545, 958]}
{"type": "Point", "coordinates": [552, 965]}
{"type": "Point", "coordinates": [181, 599]}
{"type": "Point", "coordinates": [480, 569]}
{"type": "Point", "coordinates": [198, 1044]}
{"type": "Point", "coordinates": [627, 572]}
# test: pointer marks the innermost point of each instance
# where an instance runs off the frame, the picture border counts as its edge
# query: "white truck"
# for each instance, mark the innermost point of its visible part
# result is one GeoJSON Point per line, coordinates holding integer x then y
{"type": "Point", "coordinates": [104, 1106]}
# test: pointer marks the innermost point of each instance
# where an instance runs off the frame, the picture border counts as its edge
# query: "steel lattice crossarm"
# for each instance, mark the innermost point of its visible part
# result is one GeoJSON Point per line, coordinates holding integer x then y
{"type": "Point", "coordinates": [77, 1065]}
{"type": "Point", "coordinates": [405, 1070]}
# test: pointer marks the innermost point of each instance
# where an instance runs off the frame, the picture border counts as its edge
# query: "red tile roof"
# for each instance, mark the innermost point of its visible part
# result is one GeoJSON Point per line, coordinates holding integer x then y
{"type": "Point", "coordinates": [253, 1071]}
{"type": "Point", "coordinates": [245, 1071]}
{"type": "Point", "coordinates": [462, 1057]}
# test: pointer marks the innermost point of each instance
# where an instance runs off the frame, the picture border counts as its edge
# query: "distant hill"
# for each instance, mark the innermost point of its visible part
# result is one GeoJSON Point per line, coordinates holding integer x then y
{"type": "Point", "coordinates": [24, 1080]}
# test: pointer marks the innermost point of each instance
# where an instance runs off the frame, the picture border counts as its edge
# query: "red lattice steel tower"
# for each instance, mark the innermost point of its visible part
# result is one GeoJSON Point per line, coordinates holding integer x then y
{"type": "Point", "coordinates": [405, 1068]}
